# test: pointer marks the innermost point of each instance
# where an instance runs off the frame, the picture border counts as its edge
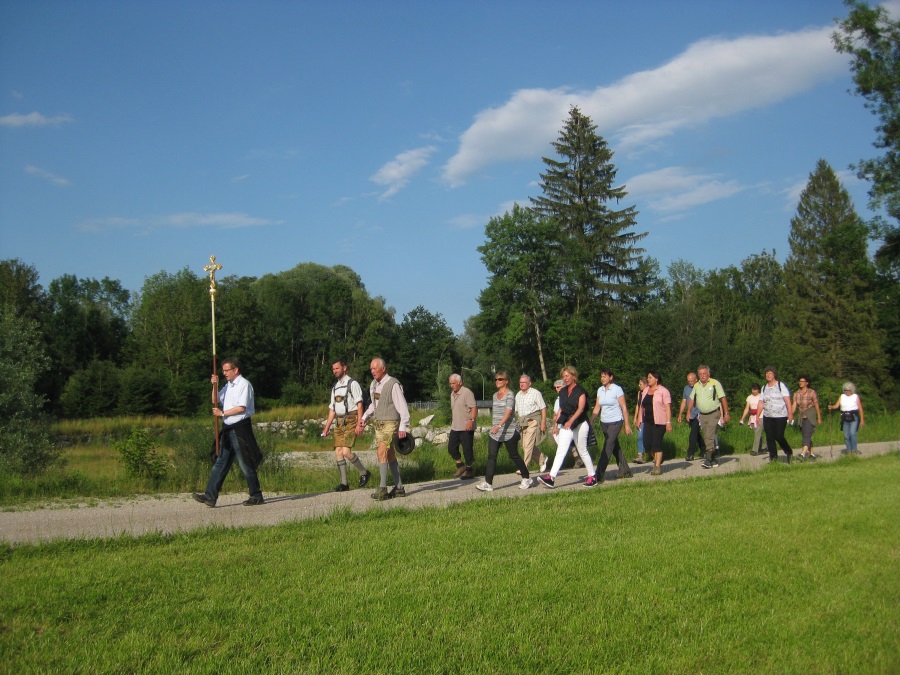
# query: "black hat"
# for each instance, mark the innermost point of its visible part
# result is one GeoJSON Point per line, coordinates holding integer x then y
{"type": "Point", "coordinates": [404, 445]}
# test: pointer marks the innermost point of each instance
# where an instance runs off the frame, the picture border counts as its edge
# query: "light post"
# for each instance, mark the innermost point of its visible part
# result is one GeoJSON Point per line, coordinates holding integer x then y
{"type": "Point", "coordinates": [482, 380]}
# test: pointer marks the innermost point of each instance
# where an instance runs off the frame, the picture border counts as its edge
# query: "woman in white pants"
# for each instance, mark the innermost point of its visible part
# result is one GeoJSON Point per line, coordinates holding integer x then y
{"type": "Point", "coordinates": [570, 426]}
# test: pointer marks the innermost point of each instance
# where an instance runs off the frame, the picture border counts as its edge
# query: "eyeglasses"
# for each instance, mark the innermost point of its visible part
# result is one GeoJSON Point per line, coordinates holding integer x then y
{"type": "Point", "coordinates": [227, 370]}
{"type": "Point", "coordinates": [499, 379]}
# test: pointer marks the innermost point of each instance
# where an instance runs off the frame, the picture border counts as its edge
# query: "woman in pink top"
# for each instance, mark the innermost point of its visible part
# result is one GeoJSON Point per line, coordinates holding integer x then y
{"type": "Point", "coordinates": [656, 416]}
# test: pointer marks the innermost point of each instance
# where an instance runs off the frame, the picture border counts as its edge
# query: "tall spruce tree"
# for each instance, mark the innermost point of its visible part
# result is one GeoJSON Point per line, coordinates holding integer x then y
{"type": "Point", "coordinates": [827, 310]}
{"type": "Point", "coordinates": [597, 249]}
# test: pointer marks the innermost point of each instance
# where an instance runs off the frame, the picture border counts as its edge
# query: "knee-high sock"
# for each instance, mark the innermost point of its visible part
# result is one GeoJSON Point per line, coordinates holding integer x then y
{"type": "Point", "coordinates": [395, 469]}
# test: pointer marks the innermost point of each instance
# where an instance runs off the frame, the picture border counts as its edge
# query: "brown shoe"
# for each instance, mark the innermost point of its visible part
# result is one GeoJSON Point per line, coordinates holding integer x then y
{"type": "Point", "coordinates": [459, 471]}
{"type": "Point", "coordinates": [468, 475]}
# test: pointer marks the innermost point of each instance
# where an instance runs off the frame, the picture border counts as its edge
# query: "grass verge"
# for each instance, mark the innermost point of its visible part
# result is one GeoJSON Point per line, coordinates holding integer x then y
{"type": "Point", "coordinates": [778, 570]}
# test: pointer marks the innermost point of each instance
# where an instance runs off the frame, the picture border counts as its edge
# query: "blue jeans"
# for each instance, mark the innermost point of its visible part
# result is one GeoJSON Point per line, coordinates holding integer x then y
{"type": "Point", "coordinates": [640, 440]}
{"type": "Point", "coordinates": [228, 451]}
{"type": "Point", "coordinates": [850, 430]}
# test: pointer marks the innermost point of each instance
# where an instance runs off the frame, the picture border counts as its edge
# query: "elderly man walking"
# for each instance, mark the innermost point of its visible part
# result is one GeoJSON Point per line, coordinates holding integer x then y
{"type": "Point", "coordinates": [463, 411]}
{"type": "Point", "coordinates": [532, 417]}
{"type": "Point", "coordinates": [709, 398]}
{"type": "Point", "coordinates": [391, 413]}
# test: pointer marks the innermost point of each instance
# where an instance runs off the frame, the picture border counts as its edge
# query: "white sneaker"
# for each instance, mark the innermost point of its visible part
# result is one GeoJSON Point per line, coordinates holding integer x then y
{"type": "Point", "coordinates": [484, 486]}
{"type": "Point", "coordinates": [543, 468]}
{"type": "Point", "coordinates": [525, 484]}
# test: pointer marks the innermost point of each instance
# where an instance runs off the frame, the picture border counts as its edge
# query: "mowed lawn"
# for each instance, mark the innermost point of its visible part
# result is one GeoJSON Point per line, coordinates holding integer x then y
{"type": "Point", "coordinates": [788, 569]}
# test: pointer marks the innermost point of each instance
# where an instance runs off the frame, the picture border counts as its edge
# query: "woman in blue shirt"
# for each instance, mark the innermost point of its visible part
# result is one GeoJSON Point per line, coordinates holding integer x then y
{"type": "Point", "coordinates": [613, 412]}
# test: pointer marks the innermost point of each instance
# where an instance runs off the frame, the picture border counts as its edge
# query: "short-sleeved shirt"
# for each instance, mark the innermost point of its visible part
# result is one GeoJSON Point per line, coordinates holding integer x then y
{"type": "Point", "coordinates": [529, 402]}
{"type": "Point", "coordinates": [238, 392]}
{"type": "Point", "coordinates": [772, 397]}
{"type": "Point", "coordinates": [686, 395]}
{"type": "Point", "coordinates": [462, 403]}
{"type": "Point", "coordinates": [345, 394]}
{"type": "Point", "coordinates": [610, 408]}
{"type": "Point", "coordinates": [706, 396]}
{"type": "Point", "coordinates": [805, 398]}
{"type": "Point", "coordinates": [498, 410]}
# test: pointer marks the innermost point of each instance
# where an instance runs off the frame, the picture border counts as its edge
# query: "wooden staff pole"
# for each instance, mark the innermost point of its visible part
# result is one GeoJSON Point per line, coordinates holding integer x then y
{"type": "Point", "coordinates": [212, 268]}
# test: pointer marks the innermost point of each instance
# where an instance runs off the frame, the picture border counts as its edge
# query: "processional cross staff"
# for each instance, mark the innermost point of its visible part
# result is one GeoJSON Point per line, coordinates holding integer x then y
{"type": "Point", "coordinates": [212, 268]}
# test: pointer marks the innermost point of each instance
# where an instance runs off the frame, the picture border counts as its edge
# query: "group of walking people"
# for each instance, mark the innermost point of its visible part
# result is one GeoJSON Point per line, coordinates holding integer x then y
{"type": "Point", "coordinates": [524, 417]}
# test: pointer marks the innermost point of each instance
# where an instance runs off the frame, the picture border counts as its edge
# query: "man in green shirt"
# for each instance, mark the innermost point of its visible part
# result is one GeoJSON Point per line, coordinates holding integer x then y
{"type": "Point", "coordinates": [709, 397]}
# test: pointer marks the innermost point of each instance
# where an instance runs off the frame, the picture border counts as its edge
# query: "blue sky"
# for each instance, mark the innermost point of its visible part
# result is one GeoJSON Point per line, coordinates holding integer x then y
{"type": "Point", "coordinates": [137, 137]}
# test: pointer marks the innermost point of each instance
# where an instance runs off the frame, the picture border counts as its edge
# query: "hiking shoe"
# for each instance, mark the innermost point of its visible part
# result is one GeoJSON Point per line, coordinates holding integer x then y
{"type": "Point", "coordinates": [341, 487]}
{"type": "Point", "coordinates": [525, 484]}
{"type": "Point", "coordinates": [590, 482]}
{"type": "Point", "coordinates": [801, 457]}
{"type": "Point", "coordinates": [812, 455]}
{"type": "Point", "coordinates": [254, 501]}
{"type": "Point", "coordinates": [203, 499]}
{"type": "Point", "coordinates": [547, 481]}
{"type": "Point", "coordinates": [381, 494]}
{"type": "Point", "coordinates": [397, 492]}
{"type": "Point", "coordinates": [714, 463]}
{"type": "Point", "coordinates": [364, 478]}
{"type": "Point", "coordinates": [689, 458]}
{"type": "Point", "coordinates": [484, 486]}
{"type": "Point", "coordinates": [460, 470]}
{"type": "Point", "coordinates": [705, 464]}
{"type": "Point", "coordinates": [639, 459]}
{"type": "Point", "coordinates": [468, 475]}
{"type": "Point", "coordinates": [656, 471]}
{"type": "Point", "coordinates": [755, 453]}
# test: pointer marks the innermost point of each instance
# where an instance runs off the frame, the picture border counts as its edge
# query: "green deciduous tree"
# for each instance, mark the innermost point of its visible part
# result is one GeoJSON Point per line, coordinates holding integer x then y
{"type": "Point", "coordinates": [520, 254]}
{"type": "Point", "coordinates": [872, 38]}
{"type": "Point", "coordinates": [171, 332]}
{"type": "Point", "coordinates": [425, 342]}
{"type": "Point", "coordinates": [25, 445]}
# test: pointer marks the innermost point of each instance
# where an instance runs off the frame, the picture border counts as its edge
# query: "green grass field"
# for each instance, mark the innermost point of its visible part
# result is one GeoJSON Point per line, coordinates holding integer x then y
{"type": "Point", "coordinates": [781, 570]}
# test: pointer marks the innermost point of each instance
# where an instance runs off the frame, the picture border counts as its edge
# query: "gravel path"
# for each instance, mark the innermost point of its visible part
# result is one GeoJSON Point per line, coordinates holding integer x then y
{"type": "Point", "coordinates": [180, 513]}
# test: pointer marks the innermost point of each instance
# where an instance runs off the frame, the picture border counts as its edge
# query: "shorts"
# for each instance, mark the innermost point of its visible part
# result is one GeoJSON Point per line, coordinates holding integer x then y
{"type": "Point", "coordinates": [345, 431]}
{"type": "Point", "coordinates": [385, 430]}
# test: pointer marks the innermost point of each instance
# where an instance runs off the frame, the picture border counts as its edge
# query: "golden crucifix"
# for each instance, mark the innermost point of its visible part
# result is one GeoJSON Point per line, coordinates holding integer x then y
{"type": "Point", "coordinates": [212, 268]}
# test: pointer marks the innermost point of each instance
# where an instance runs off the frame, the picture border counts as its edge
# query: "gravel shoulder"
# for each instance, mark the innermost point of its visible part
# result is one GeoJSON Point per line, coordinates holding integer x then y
{"type": "Point", "coordinates": [173, 513]}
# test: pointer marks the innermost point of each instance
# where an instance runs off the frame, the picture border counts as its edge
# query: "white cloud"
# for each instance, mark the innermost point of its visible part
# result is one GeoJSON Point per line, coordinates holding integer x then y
{"type": "Point", "coordinates": [224, 221]}
{"type": "Point", "coordinates": [397, 173]}
{"type": "Point", "coordinates": [34, 119]}
{"type": "Point", "coordinates": [675, 189]}
{"type": "Point", "coordinates": [46, 175]}
{"type": "Point", "coordinates": [712, 78]}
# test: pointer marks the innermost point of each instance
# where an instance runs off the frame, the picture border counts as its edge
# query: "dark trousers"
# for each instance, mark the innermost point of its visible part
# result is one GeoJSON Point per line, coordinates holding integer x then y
{"type": "Point", "coordinates": [463, 438]}
{"type": "Point", "coordinates": [611, 447]}
{"type": "Point", "coordinates": [229, 450]}
{"type": "Point", "coordinates": [693, 436]}
{"type": "Point", "coordinates": [774, 428]}
{"type": "Point", "coordinates": [512, 448]}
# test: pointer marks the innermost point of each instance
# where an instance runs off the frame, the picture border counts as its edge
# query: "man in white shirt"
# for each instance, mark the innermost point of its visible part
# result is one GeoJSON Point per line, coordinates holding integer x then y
{"type": "Point", "coordinates": [234, 404]}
